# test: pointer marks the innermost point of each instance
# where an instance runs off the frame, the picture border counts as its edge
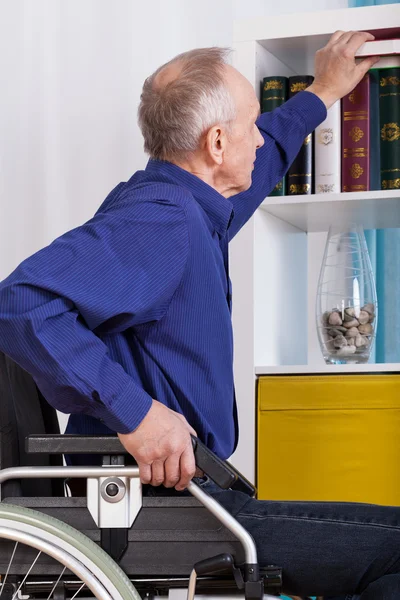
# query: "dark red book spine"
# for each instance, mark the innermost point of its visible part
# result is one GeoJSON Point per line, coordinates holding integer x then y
{"type": "Point", "coordinates": [356, 138]}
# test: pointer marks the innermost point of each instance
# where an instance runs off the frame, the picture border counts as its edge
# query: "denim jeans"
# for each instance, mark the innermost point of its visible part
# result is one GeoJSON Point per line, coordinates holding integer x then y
{"type": "Point", "coordinates": [325, 549]}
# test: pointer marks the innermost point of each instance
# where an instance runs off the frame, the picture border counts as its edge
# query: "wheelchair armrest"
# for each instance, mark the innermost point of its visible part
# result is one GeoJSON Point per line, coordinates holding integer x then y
{"type": "Point", "coordinates": [221, 472]}
{"type": "Point", "coordinates": [74, 444]}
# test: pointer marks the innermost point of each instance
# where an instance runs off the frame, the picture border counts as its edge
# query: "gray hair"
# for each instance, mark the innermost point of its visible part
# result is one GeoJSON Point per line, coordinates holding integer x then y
{"type": "Point", "coordinates": [174, 116]}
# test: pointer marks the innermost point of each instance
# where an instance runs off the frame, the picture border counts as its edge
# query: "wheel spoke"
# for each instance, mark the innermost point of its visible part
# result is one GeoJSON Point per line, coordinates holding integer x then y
{"type": "Point", "coordinates": [76, 593]}
{"type": "Point", "coordinates": [56, 583]}
{"type": "Point", "coordinates": [8, 569]}
{"type": "Point", "coordinates": [26, 576]}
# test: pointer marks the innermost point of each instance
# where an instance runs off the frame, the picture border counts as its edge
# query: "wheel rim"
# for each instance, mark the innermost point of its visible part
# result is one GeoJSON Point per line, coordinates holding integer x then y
{"type": "Point", "coordinates": [59, 554]}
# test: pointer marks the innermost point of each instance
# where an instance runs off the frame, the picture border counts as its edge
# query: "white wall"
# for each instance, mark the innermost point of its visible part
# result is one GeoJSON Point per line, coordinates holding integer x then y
{"type": "Point", "coordinates": [71, 75]}
{"type": "Point", "coordinates": [244, 9]}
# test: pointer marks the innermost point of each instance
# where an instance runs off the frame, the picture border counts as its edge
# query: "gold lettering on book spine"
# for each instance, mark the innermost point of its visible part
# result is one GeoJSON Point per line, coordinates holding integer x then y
{"type": "Point", "coordinates": [354, 97]}
{"type": "Point", "coordinates": [278, 186]}
{"type": "Point", "coordinates": [354, 188]}
{"type": "Point", "coordinates": [299, 188]}
{"type": "Point", "coordinates": [356, 171]}
{"type": "Point", "coordinates": [391, 80]}
{"type": "Point", "coordinates": [273, 84]}
{"type": "Point", "coordinates": [391, 184]}
{"type": "Point", "coordinates": [390, 132]}
{"type": "Point", "coordinates": [356, 133]}
{"type": "Point", "coordinates": [355, 152]}
{"type": "Point", "coordinates": [299, 86]}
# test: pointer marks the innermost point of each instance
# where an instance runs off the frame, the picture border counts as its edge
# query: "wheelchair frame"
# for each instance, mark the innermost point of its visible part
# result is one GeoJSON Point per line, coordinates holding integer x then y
{"type": "Point", "coordinates": [116, 488]}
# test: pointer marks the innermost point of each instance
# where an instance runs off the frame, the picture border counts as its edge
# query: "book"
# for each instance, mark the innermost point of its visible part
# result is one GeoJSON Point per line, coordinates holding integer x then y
{"type": "Point", "coordinates": [385, 62]}
{"type": "Point", "coordinates": [356, 138]}
{"type": "Point", "coordinates": [274, 93]}
{"type": "Point", "coordinates": [374, 132]}
{"type": "Point", "coordinates": [379, 47]}
{"type": "Point", "coordinates": [389, 116]}
{"type": "Point", "coordinates": [327, 152]}
{"type": "Point", "coordinates": [299, 178]}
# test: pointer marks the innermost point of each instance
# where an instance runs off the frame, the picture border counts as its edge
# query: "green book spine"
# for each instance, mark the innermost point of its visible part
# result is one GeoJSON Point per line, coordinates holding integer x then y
{"type": "Point", "coordinates": [274, 93]}
{"type": "Point", "coordinates": [389, 118]}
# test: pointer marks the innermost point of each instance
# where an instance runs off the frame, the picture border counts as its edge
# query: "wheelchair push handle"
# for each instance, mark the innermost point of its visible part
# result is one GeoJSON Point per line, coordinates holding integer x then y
{"type": "Point", "coordinates": [220, 471]}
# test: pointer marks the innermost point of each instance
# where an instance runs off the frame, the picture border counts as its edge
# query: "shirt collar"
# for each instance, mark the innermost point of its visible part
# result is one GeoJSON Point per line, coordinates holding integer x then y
{"type": "Point", "coordinates": [218, 208]}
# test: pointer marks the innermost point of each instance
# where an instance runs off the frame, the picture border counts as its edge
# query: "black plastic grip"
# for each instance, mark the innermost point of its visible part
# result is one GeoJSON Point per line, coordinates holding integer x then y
{"type": "Point", "coordinates": [220, 471]}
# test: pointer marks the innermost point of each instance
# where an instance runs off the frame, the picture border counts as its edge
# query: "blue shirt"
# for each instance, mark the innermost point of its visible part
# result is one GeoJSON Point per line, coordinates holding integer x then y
{"type": "Point", "coordinates": [135, 304]}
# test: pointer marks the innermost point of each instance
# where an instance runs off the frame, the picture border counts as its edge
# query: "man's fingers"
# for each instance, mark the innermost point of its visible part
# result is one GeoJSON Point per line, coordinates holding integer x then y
{"type": "Point", "coordinates": [335, 37]}
{"type": "Point", "coordinates": [145, 473]}
{"type": "Point", "coordinates": [157, 473]}
{"type": "Point", "coordinates": [357, 39]}
{"type": "Point", "coordinates": [365, 65]}
{"type": "Point", "coordinates": [345, 37]}
{"type": "Point", "coordinates": [187, 468]}
{"type": "Point", "coordinates": [172, 470]}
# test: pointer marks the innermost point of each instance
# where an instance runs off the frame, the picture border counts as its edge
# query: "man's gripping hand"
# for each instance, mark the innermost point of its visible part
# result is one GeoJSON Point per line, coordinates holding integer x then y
{"type": "Point", "coordinates": [162, 448]}
{"type": "Point", "coordinates": [336, 71]}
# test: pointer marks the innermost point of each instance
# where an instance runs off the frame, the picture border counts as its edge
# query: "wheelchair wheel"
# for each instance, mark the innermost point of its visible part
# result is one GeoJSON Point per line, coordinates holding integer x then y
{"type": "Point", "coordinates": [23, 531]}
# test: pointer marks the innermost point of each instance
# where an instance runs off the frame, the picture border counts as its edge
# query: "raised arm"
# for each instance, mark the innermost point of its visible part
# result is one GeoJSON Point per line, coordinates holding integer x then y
{"type": "Point", "coordinates": [284, 129]}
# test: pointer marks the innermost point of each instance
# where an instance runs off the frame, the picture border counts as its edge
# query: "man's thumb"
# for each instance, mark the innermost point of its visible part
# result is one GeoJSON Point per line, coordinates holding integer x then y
{"type": "Point", "coordinates": [366, 64]}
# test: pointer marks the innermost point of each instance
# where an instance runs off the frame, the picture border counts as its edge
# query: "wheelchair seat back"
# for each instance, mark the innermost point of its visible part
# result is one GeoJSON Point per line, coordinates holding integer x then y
{"type": "Point", "coordinates": [24, 411]}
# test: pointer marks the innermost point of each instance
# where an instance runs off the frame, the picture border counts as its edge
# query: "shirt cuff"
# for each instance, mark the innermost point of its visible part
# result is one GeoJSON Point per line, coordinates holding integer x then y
{"type": "Point", "coordinates": [126, 411]}
{"type": "Point", "coordinates": [309, 107]}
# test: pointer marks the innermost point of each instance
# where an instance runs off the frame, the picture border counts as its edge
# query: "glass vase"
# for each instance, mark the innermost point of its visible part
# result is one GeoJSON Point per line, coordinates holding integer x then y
{"type": "Point", "coordinates": [346, 307]}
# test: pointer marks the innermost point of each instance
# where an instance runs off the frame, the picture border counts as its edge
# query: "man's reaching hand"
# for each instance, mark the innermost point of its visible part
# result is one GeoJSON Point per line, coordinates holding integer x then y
{"type": "Point", "coordinates": [336, 70]}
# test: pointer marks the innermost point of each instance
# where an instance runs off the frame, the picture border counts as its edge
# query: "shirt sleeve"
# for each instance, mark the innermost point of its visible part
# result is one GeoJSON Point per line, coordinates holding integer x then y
{"type": "Point", "coordinates": [118, 270]}
{"type": "Point", "coordinates": [283, 130]}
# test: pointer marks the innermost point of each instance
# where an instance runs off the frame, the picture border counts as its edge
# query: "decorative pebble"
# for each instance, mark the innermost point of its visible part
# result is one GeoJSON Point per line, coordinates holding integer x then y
{"type": "Point", "coordinates": [352, 323]}
{"type": "Point", "coordinates": [339, 341]}
{"type": "Point", "coordinates": [334, 331]}
{"type": "Point", "coordinates": [349, 314]}
{"type": "Point", "coordinates": [366, 329]}
{"type": "Point", "coordinates": [369, 308]}
{"type": "Point", "coordinates": [325, 318]}
{"type": "Point", "coordinates": [335, 318]}
{"type": "Point", "coordinates": [346, 351]}
{"type": "Point", "coordinates": [352, 332]}
{"type": "Point", "coordinates": [360, 341]}
{"type": "Point", "coordinates": [364, 317]}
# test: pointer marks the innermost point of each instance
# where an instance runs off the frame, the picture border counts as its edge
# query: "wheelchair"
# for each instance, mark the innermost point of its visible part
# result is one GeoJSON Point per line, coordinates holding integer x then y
{"type": "Point", "coordinates": [112, 544]}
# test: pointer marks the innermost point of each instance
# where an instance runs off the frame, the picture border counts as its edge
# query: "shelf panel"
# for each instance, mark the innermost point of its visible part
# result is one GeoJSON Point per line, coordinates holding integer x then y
{"type": "Point", "coordinates": [327, 369]}
{"type": "Point", "coordinates": [317, 212]}
{"type": "Point", "coordinates": [297, 30]}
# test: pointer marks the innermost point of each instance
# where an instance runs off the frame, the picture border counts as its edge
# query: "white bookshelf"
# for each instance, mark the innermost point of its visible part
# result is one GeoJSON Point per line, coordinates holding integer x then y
{"type": "Point", "coordinates": [276, 258]}
{"type": "Point", "coordinates": [326, 369]}
{"type": "Point", "coordinates": [373, 210]}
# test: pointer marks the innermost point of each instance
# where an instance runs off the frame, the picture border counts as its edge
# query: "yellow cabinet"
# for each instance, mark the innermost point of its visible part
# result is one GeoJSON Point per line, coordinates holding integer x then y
{"type": "Point", "coordinates": [329, 438]}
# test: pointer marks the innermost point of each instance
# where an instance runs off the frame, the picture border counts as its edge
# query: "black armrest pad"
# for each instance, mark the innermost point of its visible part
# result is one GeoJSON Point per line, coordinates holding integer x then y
{"type": "Point", "coordinates": [220, 471]}
{"type": "Point", "coordinates": [73, 444]}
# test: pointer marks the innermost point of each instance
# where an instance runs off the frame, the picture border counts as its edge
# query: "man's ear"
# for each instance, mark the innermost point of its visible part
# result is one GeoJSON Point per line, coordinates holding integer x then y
{"type": "Point", "coordinates": [216, 144]}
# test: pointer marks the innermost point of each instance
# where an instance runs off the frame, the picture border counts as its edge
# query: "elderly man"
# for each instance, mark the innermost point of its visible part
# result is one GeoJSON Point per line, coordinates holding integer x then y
{"type": "Point", "coordinates": [125, 321]}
